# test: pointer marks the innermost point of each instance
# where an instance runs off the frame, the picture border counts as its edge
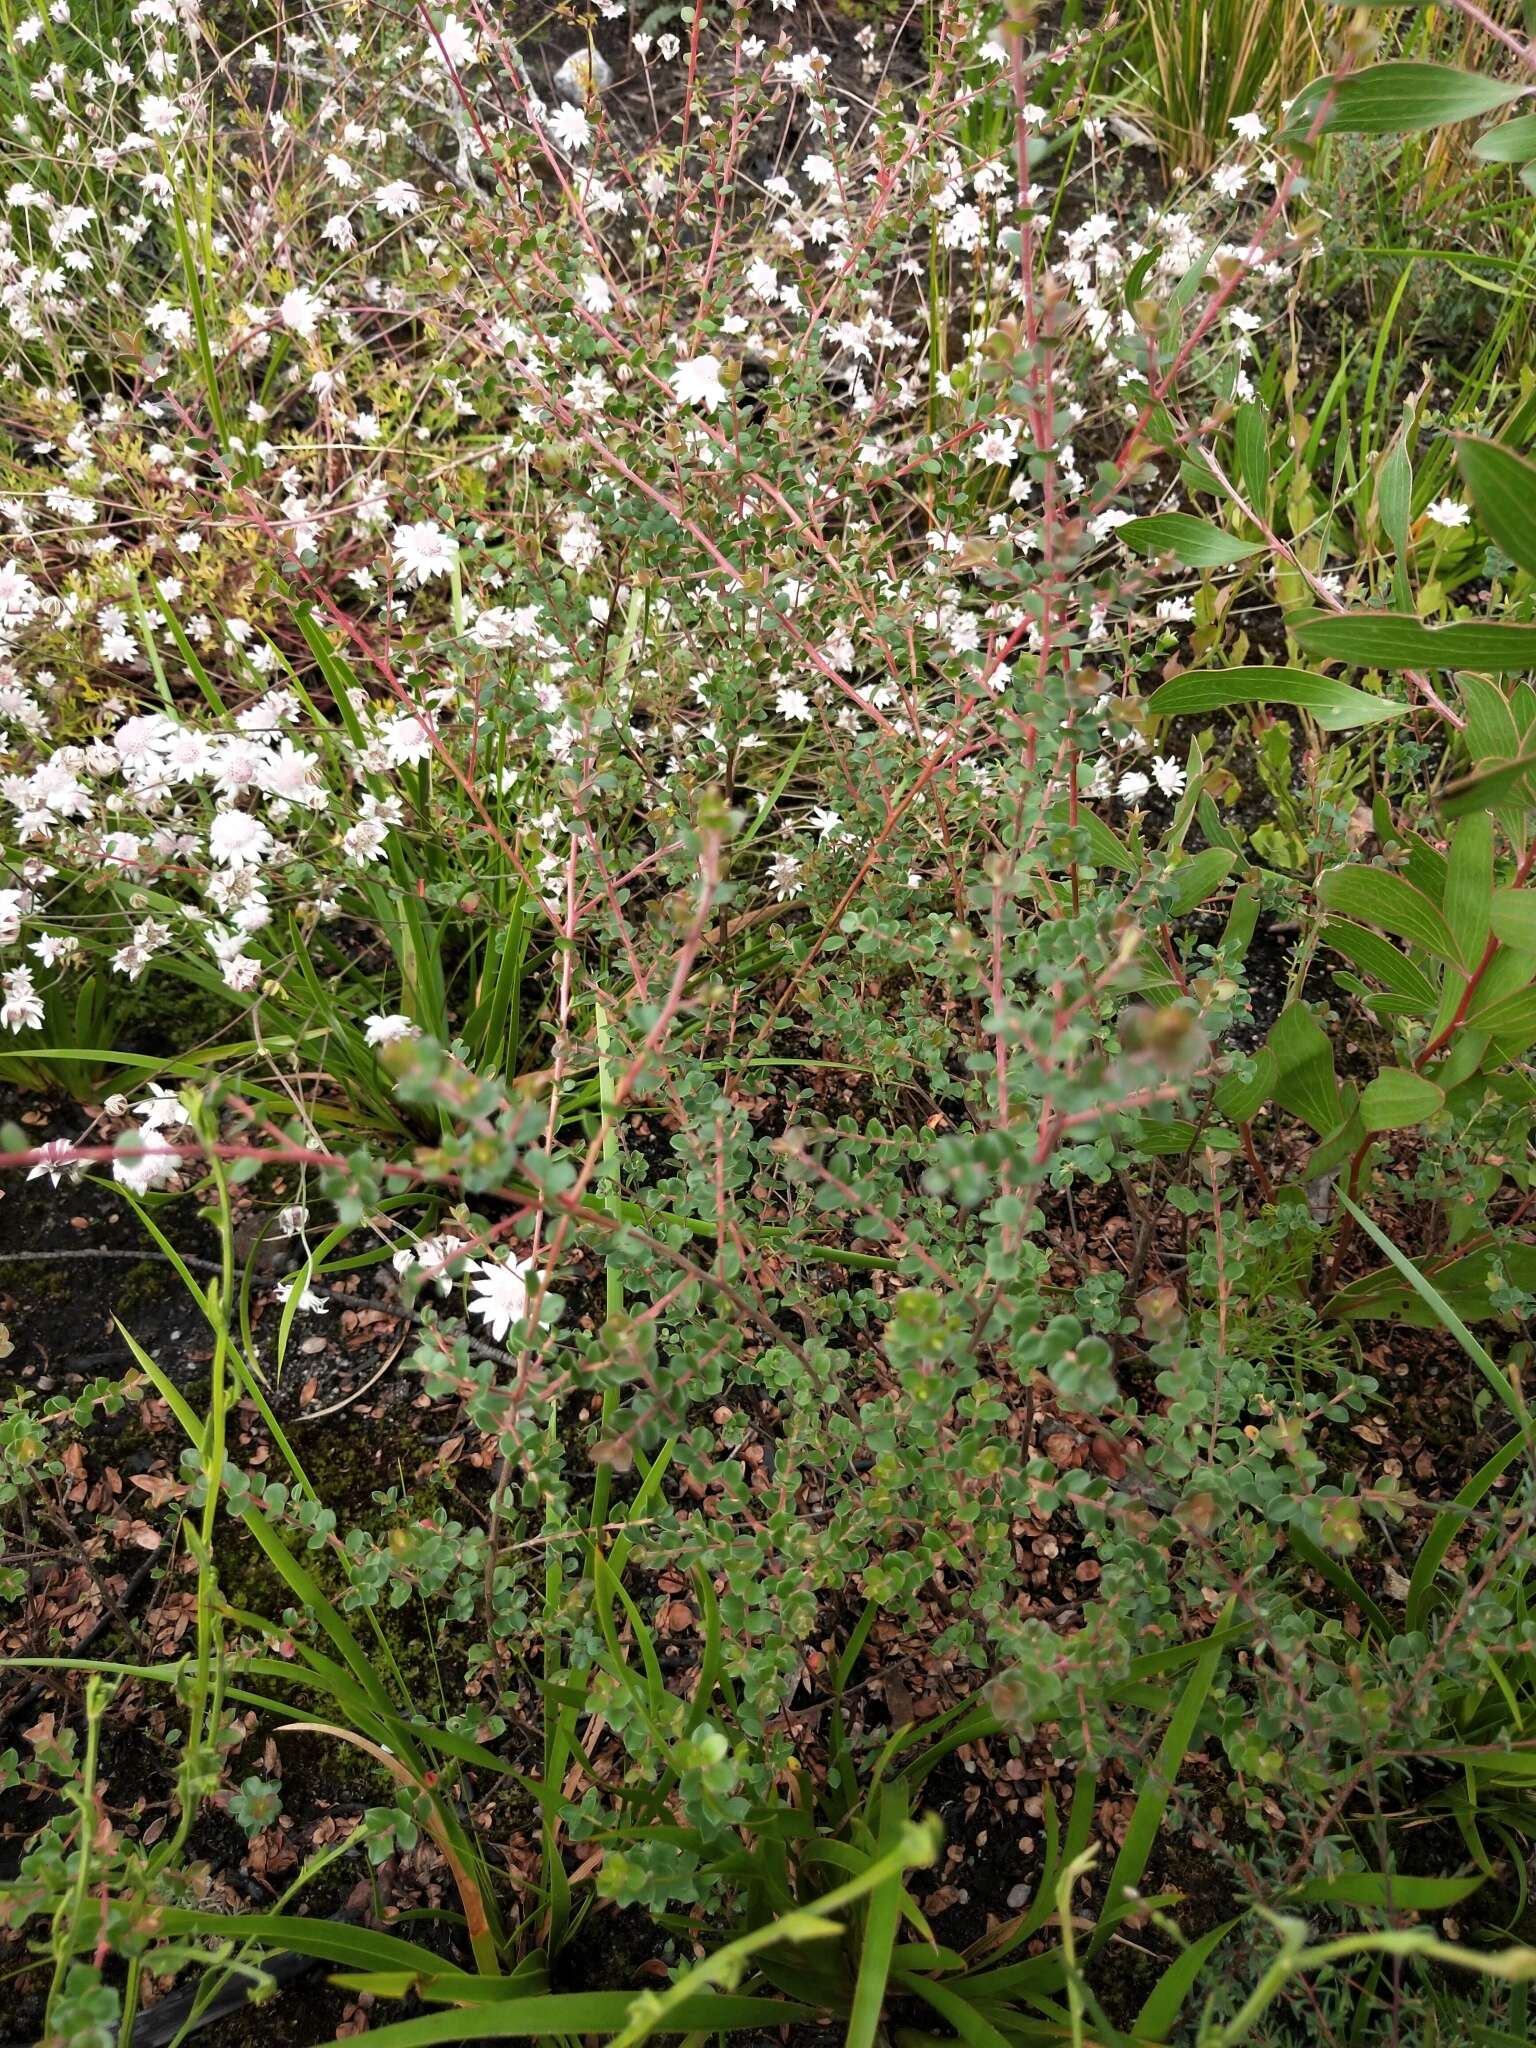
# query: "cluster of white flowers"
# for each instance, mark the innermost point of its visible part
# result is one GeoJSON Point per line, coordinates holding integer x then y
{"type": "Point", "coordinates": [215, 789]}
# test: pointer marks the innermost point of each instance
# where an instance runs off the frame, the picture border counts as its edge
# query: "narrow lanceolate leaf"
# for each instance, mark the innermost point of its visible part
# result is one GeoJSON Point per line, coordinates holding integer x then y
{"type": "Point", "coordinates": [1398, 99]}
{"type": "Point", "coordinates": [1512, 142]}
{"type": "Point", "coordinates": [1337, 707]}
{"type": "Point", "coordinates": [1194, 542]}
{"type": "Point", "coordinates": [1398, 1099]}
{"type": "Point", "coordinates": [1374, 896]}
{"type": "Point", "coordinates": [1393, 640]}
{"type": "Point", "coordinates": [1503, 488]}
{"type": "Point", "coordinates": [1512, 914]}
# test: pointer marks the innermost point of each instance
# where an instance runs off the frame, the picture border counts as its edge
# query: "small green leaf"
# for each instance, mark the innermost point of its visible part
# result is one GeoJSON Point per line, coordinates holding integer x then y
{"type": "Point", "coordinates": [1398, 1099]}
{"type": "Point", "coordinates": [1337, 707]}
{"type": "Point", "coordinates": [1503, 488]}
{"type": "Point", "coordinates": [1377, 897]}
{"type": "Point", "coordinates": [1194, 542]}
{"type": "Point", "coordinates": [1397, 99]}
{"type": "Point", "coordinates": [1392, 640]}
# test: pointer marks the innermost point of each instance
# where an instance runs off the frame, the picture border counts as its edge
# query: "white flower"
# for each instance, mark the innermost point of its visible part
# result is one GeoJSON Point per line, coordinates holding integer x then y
{"type": "Point", "coordinates": [1133, 785]}
{"type": "Point", "coordinates": [793, 704]}
{"type": "Point", "coordinates": [423, 550]}
{"type": "Point", "coordinates": [501, 1295]}
{"type": "Point", "coordinates": [569, 127]}
{"type": "Point", "coordinates": [580, 543]}
{"type": "Point", "coordinates": [383, 1030]}
{"type": "Point", "coordinates": [141, 1167]}
{"type": "Point", "coordinates": [398, 198]}
{"type": "Point", "coordinates": [54, 1162]}
{"type": "Point", "coordinates": [237, 840]}
{"type": "Point", "coordinates": [784, 876]}
{"type": "Point", "coordinates": [453, 45]}
{"type": "Point", "coordinates": [1447, 512]}
{"type": "Point", "coordinates": [433, 1257]}
{"type": "Point", "coordinates": [1168, 775]}
{"type": "Point", "coordinates": [311, 1303]}
{"type": "Point", "coordinates": [300, 310]}
{"type": "Point", "coordinates": [159, 115]}
{"type": "Point", "coordinates": [21, 1002]}
{"type": "Point", "coordinates": [697, 382]}
{"type": "Point", "coordinates": [1249, 126]}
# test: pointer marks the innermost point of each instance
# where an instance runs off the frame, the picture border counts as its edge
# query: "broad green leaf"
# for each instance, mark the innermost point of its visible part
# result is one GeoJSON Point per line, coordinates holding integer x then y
{"type": "Point", "coordinates": [1512, 142]}
{"type": "Point", "coordinates": [1337, 707]}
{"type": "Point", "coordinates": [1492, 784]}
{"type": "Point", "coordinates": [1469, 885]}
{"type": "Point", "coordinates": [1391, 640]}
{"type": "Point", "coordinates": [1511, 1024]}
{"type": "Point", "coordinates": [1339, 1144]}
{"type": "Point", "coordinates": [1491, 732]}
{"type": "Point", "coordinates": [1105, 849]}
{"type": "Point", "coordinates": [1378, 957]}
{"type": "Point", "coordinates": [1394, 504]}
{"type": "Point", "coordinates": [1381, 1296]}
{"type": "Point", "coordinates": [1398, 98]}
{"type": "Point", "coordinates": [1513, 916]}
{"type": "Point", "coordinates": [1305, 1084]}
{"type": "Point", "coordinates": [1251, 438]}
{"type": "Point", "coordinates": [1375, 896]}
{"type": "Point", "coordinates": [1241, 1101]}
{"type": "Point", "coordinates": [1398, 1099]}
{"type": "Point", "coordinates": [1386, 1890]}
{"type": "Point", "coordinates": [1194, 542]}
{"type": "Point", "coordinates": [1198, 877]}
{"type": "Point", "coordinates": [1503, 488]}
